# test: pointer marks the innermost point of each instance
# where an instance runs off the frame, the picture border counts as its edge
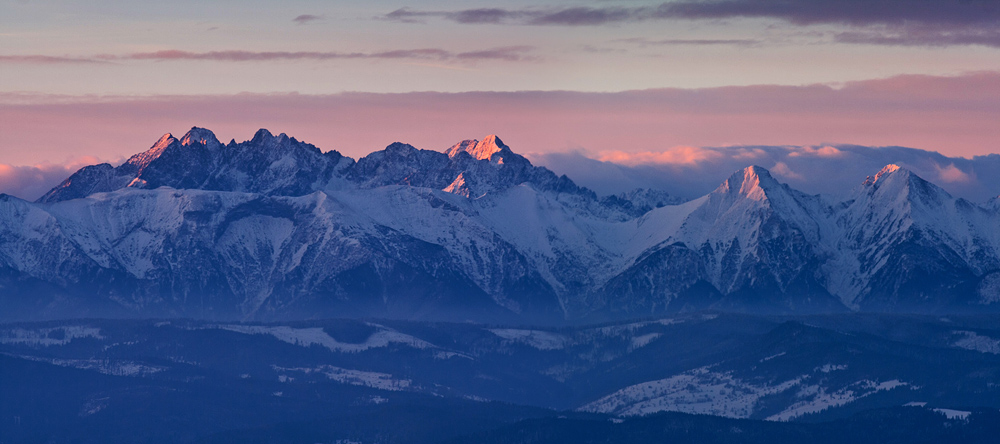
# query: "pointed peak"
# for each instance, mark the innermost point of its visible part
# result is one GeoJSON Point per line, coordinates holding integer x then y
{"type": "Point", "coordinates": [481, 150]}
{"type": "Point", "coordinates": [890, 168]}
{"type": "Point", "coordinates": [162, 143]}
{"type": "Point", "coordinates": [751, 181]}
{"type": "Point", "coordinates": [141, 160]}
{"type": "Point", "coordinates": [164, 140]}
{"type": "Point", "coordinates": [261, 135]}
{"type": "Point", "coordinates": [885, 172]}
{"type": "Point", "coordinates": [756, 171]}
{"type": "Point", "coordinates": [461, 147]}
{"type": "Point", "coordinates": [201, 136]}
{"type": "Point", "coordinates": [752, 174]}
{"type": "Point", "coordinates": [493, 140]}
{"type": "Point", "coordinates": [400, 148]}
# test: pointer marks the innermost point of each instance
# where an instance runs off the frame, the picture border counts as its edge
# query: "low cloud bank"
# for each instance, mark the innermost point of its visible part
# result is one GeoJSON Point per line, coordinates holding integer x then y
{"type": "Point", "coordinates": [686, 171]}
{"type": "Point", "coordinates": [815, 137]}
{"type": "Point", "coordinates": [831, 170]}
{"type": "Point", "coordinates": [31, 182]}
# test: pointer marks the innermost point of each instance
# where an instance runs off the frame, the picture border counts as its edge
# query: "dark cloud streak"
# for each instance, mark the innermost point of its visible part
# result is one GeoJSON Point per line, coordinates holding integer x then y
{"type": "Point", "coordinates": [503, 53]}
{"type": "Point", "coordinates": [877, 22]}
{"type": "Point", "coordinates": [803, 12]}
{"type": "Point", "coordinates": [923, 36]}
{"type": "Point", "coordinates": [581, 16]}
{"type": "Point", "coordinates": [306, 18]}
{"type": "Point", "coordinates": [643, 42]}
{"type": "Point", "coordinates": [34, 59]}
{"type": "Point", "coordinates": [852, 12]}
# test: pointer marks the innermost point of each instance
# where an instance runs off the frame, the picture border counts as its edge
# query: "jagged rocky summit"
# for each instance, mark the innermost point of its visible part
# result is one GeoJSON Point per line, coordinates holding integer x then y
{"type": "Point", "coordinates": [274, 228]}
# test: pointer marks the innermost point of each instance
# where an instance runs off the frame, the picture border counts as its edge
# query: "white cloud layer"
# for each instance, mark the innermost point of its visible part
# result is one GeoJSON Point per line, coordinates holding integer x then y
{"type": "Point", "coordinates": [832, 170]}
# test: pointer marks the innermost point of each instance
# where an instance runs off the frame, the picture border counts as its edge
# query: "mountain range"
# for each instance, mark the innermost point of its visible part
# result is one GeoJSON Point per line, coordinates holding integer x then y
{"type": "Point", "coordinates": [273, 228]}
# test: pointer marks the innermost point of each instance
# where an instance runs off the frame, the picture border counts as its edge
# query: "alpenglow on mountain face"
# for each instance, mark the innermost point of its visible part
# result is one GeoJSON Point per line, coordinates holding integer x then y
{"type": "Point", "coordinates": [274, 228]}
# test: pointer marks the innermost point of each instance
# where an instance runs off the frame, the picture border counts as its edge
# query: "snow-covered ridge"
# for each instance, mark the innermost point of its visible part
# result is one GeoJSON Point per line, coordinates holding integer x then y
{"type": "Point", "coordinates": [700, 391]}
{"type": "Point", "coordinates": [708, 392]}
{"type": "Point", "coordinates": [307, 337]}
{"type": "Point", "coordinates": [376, 380]}
{"type": "Point", "coordinates": [480, 150]}
{"type": "Point", "coordinates": [48, 336]}
{"type": "Point", "coordinates": [273, 225]}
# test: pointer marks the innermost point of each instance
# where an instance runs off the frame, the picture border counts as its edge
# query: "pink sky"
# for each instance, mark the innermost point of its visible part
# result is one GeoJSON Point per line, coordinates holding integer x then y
{"type": "Point", "coordinates": [635, 82]}
{"type": "Point", "coordinates": [953, 115]}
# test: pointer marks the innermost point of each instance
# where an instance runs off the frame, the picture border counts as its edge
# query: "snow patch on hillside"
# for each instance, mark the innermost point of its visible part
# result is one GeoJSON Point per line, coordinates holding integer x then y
{"type": "Point", "coordinates": [107, 367]}
{"type": "Point", "coordinates": [954, 414]}
{"type": "Point", "coordinates": [972, 341]}
{"type": "Point", "coordinates": [699, 391]}
{"type": "Point", "coordinates": [381, 381]}
{"type": "Point", "coordinates": [815, 398]}
{"type": "Point", "coordinates": [642, 341]}
{"type": "Point", "coordinates": [48, 336]}
{"type": "Point", "coordinates": [307, 337]}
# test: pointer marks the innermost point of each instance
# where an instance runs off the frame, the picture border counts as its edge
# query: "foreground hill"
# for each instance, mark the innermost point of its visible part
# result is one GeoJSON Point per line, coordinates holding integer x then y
{"type": "Point", "coordinates": [822, 378]}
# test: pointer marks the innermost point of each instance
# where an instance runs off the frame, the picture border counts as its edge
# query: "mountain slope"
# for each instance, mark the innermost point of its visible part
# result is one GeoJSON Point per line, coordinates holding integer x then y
{"type": "Point", "coordinates": [914, 244]}
{"type": "Point", "coordinates": [274, 228]}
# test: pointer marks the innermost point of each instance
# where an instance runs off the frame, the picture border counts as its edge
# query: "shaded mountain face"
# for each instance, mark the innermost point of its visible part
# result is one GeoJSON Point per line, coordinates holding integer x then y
{"type": "Point", "coordinates": [267, 164]}
{"type": "Point", "coordinates": [274, 228]}
{"type": "Point", "coordinates": [916, 246]}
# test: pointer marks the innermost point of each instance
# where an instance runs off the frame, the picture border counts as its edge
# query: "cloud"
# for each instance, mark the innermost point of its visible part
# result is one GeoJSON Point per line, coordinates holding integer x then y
{"type": "Point", "coordinates": [781, 169]}
{"type": "Point", "coordinates": [482, 15]}
{"type": "Point", "coordinates": [584, 16]}
{"type": "Point", "coordinates": [678, 155]}
{"type": "Point", "coordinates": [504, 53]}
{"type": "Point", "coordinates": [802, 12]}
{"type": "Point", "coordinates": [569, 16]}
{"type": "Point", "coordinates": [852, 12]}
{"type": "Point", "coordinates": [507, 53]}
{"type": "Point", "coordinates": [977, 179]}
{"type": "Point", "coordinates": [701, 135]}
{"type": "Point", "coordinates": [257, 56]}
{"type": "Point", "coordinates": [31, 182]}
{"type": "Point", "coordinates": [923, 36]}
{"type": "Point", "coordinates": [952, 174]}
{"type": "Point", "coordinates": [873, 22]}
{"type": "Point", "coordinates": [407, 15]}
{"type": "Point", "coordinates": [306, 18]}
{"type": "Point", "coordinates": [36, 59]}
{"type": "Point", "coordinates": [822, 151]}
{"type": "Point", "coordinates": [644, 42]}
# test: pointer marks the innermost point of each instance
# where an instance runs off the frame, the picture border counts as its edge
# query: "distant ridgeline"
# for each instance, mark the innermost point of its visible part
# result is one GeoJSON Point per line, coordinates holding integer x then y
{"type": "Point", "coordinates": [274, 228]}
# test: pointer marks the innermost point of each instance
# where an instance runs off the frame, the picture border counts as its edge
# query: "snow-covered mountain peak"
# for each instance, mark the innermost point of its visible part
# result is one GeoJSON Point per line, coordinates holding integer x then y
{"type": "Point", "coordinates": [753, 182]}
{"type": "Point", "coordinates": [481, 150]}
{"type": "Point", "coordinates": [261, 136]}
{"type": "Point", "coordinates": [894, 183]}
{"type": "Point", "coordinates": [201, 136]}
{"type": "Point", "coordinates": [274, 222]}
{"type": "Point", "coordinates": [890, 168]}
{"type": "Point", "coordinates": [141, 160]}
{"type": "Point", "coordinates": [884, 173]}
{"type": "Point", "coordinates": [164, 140]}
{"type": "Point", "coordinates": [461, 147]}
{"type": "Point", "coordinates": [993, 203]}
{"type": "Point", "coordinates": [400, 149]}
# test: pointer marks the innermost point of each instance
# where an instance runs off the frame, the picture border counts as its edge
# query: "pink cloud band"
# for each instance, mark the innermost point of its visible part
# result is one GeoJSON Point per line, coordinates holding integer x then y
{"type": "Point", "coordinates": [952, 115]}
